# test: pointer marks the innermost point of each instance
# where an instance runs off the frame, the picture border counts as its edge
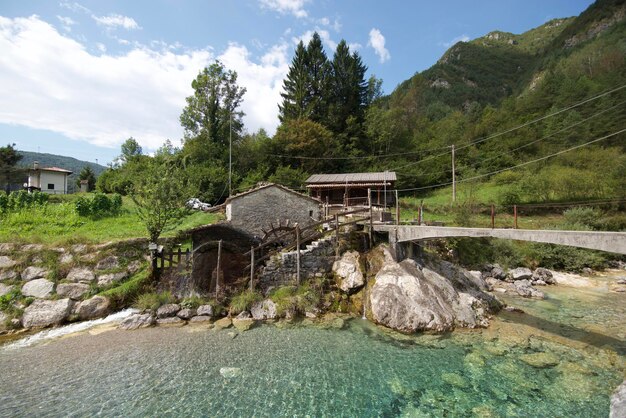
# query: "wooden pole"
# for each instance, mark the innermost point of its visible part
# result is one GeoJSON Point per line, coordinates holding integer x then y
{"type": "Point", "coordinates": [397, 209]}
{"type": "Point", "coordinates": [420, 213]}
{"type": "Point", "coordinates": [327, 208]}
{"type": "Point", "coordinates": [219, 266]}
{"type": "Point", "coordinates": [515, 216]}
{"type": "Point", "coordinates": [371, 231]}
{"type": "Point", "coordinates": [298, 254]}
{"type": "Point", "coordinates": [336, 235]}
{"type": "Point", "coordinates": [453, 177]}
{"type": "Point", "coordinates": [493, 216]}
{"type": "Point", "coordinates": [252, 267]}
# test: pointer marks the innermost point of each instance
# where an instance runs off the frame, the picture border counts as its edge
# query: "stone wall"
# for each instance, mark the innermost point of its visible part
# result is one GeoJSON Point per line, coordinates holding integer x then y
{"type": "Point", "coordinates": [315, 261]}
{"type": "Point", "coordinates": [255, 211]}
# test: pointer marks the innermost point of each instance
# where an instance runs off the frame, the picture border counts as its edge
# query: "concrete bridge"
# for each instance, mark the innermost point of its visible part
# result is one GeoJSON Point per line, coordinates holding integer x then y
{"type": "Point", "coordinates": [614, 242]}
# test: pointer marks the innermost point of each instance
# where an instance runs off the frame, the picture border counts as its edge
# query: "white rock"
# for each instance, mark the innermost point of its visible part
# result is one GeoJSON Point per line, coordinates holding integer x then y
{"type": "Point", "coordinates": [6, 262]}
{"type": "Point", "coordinates": [72, 290]}
{"type": "Point", "coordinates": [79, 274]}
{"type": "Point", "coordinates": [38, 288]}
{"type": "Point", "coordinates": [521, 273]}
{"type": "Point", "coordinates": [618, 402]}
{"type": "Point", "coordinates": [32, 272]}
{"type": "Point", "coordinates": [4, 289]}
{"type": "Point", "coordinates": [265, 309]}
{"type": "Point", "coordinates": [572, 280]}
{"type": "Point", "coordinates": [8, 275]}
{"type": "Point", "coordinates": [43, 313]}
{"type": "Point", "coordinates": [107, 279]}
{"type": "Point", "coordinates": [230, 372]}
{"type": "Point", "coordinates": [138, 321]}
{"type": "Point", "coordinates": [348, 270]}
{"type": "Point", "coordinates": [95, 307]}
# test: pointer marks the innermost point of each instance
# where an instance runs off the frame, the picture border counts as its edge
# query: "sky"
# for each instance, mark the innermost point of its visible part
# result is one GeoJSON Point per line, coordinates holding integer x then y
{"type": "Point", "coordinates": [78, 78]}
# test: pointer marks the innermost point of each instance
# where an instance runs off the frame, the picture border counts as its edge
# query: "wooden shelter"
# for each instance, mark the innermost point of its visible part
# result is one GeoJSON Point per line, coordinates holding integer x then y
{"type": "Point", "coordinates": [350, 189]}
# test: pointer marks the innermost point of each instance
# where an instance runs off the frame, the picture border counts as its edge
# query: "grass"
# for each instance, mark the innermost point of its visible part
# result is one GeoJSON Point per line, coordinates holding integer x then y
{"type": "Point", "coordinates": [59, 223]}
{"type": "Point", "coordinates": [126, 293]}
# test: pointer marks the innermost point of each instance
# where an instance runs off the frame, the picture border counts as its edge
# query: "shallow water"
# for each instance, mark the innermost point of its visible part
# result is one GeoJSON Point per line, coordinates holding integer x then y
{"type": "Point", "coordinates": [309, 371]}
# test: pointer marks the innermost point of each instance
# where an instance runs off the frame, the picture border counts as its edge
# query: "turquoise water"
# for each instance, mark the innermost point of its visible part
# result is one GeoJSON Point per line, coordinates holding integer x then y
{"type": "Point", "coordinates": [305, 371]}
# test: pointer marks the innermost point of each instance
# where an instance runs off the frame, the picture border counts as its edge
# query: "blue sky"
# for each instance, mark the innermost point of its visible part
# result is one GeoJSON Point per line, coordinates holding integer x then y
{"type": "Point", "coordinates": [79, 77]}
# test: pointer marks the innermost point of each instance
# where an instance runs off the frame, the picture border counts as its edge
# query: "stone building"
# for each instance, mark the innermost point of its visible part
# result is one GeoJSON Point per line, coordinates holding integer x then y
{"type": "Point", "coordinates": [268, 206]}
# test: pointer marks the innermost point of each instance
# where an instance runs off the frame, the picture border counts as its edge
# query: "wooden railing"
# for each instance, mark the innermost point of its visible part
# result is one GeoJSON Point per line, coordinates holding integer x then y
{"type": "Point", "coordinates": [309, 233]}
{"type": "Point", "coordinates": [166, 259]}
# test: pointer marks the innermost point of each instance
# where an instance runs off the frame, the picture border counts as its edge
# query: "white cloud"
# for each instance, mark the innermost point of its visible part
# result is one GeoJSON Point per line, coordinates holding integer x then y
{"type": "Point", "coordinates": [115, 21]}
{"type": "Point", "coordinates": [66, 23]}
{"type": "Point", "coordinates": [294, 7]}
{"type": "Point", "coordinates": [74, 7]}
{"type": "Point", "coordinates": [101, 47]}
{"type": "Point", "coordinates": [324, 35]}
{"type": "Point", "coordinates": [377, 41]}
{"type": "Point", "coordinates": [460, 38]}
{"type": "Point", "coordinates": [53, 82]}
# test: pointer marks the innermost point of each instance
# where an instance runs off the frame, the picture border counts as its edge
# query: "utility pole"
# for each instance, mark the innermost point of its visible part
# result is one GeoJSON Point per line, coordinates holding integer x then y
{"type": "Point", "coordinates": [230, 157]}
{"type": "Point", "coordinates": [453, 177]}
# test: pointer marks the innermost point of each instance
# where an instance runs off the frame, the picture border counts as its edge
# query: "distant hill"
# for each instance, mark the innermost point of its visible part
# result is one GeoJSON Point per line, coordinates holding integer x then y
{"type": "Point", "coordinates": [68, 163]}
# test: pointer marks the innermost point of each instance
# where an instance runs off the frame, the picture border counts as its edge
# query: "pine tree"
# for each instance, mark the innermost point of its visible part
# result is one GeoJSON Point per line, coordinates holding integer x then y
{"type": "Point", "coordinates": [295, 95]}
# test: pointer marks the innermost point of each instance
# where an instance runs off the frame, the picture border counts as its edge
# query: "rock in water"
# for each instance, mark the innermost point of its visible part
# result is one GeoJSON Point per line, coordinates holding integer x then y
{"type": "Point", "coordinates": [138, 321]}
{"type": "Point", "coordinates": [43, 313]}
{"type": "Point", "coordinates": [96, 307]}
{"type": "Point", "coordinates": [524, 288]}
{"type": "Point", "coordinates": [348, 270]}
{"type": "Point", "coordinates": [521, 273]}
{"type": "Point", "coordinates": [243, 324]}
{"type": "Point", "coordinates": [439, 297]}
{"type": "Point", "coordinates": [230, 372]}
{"type": "Point", "coordinates": [165, 311]}
{"type": "Point", "coordinates": [265, 309]}
{"type": "Point", "coordinates": [618, 402]}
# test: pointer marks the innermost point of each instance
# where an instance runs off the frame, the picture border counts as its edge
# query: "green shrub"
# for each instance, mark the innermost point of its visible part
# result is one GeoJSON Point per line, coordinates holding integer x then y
{"type": "Point", "coordinates": [560, 257]}
{"type": "Point", "coordinates": [582, 218]}
{"type": "Point", "coordinates": [295, 299]}
{"type": "Point", "coordinates": [192, 302]}
{"type": "Point", "coordinates": [153, 300]}
{"type": "Point", "coordinates": [99, 206]}
{"type": "Point", "coordinates": [244, 300]}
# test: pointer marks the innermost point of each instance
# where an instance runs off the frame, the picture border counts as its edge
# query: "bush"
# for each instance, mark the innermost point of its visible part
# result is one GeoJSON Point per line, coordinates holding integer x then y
{"type": "Point", "coordinates": [16, 201]}
{"type": "Point", "coordinates": [295, 299]}
{"type": "Point", "coordinates": [244, 300]}
{"type": "Point", "coordinates": [582, 218]}
{"type": "Point", "coordinates": [153, 301]}
{"type": "Point", "coordinates": [100, 205]}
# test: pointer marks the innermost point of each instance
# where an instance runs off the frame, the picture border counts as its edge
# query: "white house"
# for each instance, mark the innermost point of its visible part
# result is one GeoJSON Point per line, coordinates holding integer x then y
{"type": "Point", "coordinates": [51, 180]}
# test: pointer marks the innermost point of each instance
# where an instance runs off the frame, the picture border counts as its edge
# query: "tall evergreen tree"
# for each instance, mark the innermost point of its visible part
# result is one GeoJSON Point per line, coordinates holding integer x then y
{"type": "Point", "coordinates": [296, 93]}
{"type": "Point", "coordinates": [319, 75]}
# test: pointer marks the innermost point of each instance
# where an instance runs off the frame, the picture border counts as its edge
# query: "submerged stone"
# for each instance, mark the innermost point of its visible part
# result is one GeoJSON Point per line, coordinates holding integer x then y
{"type": "Point", "coordinates": [540, 360]}
{"type": "Point", "coordinates": [230, 372]}
{"type": "Point", "coordinates": [173, 321]}
{"type": "Point", "coordinates": [454, 379]}
{"type": "Point", "coordinates": [243, 324]}
{"type": "Point", "coordinates": [223, 323]}
{"type": "Point", "coordinates": [138, 321]}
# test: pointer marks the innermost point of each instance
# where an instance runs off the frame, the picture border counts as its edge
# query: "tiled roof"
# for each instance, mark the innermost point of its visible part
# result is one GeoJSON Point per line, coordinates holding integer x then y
{"type": "Point", "coordinates": [266, 185]}
{"type": "Point", "coordinates": [352, 178]}
{"type": "Point", "coordinates": [57, 169]}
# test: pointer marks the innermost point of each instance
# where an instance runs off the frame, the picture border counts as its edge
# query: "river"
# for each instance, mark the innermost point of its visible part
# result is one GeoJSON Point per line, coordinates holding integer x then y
{"type": "Point", "coordinates": [562, 357]}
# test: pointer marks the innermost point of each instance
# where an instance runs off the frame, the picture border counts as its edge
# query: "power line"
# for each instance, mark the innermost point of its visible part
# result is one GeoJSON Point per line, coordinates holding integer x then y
{"type": "Point", "coordinates": [518, 165]}
{"type": "Point", "coordinates": [479, 140]}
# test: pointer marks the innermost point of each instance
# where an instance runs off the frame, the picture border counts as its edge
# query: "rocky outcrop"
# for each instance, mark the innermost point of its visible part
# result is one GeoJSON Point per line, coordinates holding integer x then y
{"type": "Point", "coordinates": [96, 307]}
{"type": "Point", "coordinates": [525, 289]}
{"type": "Point", "coordinates": [80, 275]}
{"type": "Point", "coordinates": [38, 288]}
{"type": "Point", "coordinates": [348, 271]}
{"type": "Point", "coordinates": [543, 275]}
{"type": "Point", "coordinates": [138, 321]}
{"type": "Point", "coordinates": [72, 290]}
{"type": "Point", "coordinates": [436, 296]}
{"type": "Point", "coordinates": [44, 313]}
{"type": "Point", "coordinates": [265, 309]}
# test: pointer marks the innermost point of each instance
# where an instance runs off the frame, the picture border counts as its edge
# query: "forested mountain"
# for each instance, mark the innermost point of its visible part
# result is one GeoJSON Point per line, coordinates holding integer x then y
{"type": "Point", "coordinates": [480, 90]}
{"type": "Point", "coordinates": [542, 112]}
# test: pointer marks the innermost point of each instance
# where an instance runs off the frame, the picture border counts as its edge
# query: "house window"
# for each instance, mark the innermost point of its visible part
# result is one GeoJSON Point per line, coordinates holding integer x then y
{"type": "Point", "coordinates": [50, 186]}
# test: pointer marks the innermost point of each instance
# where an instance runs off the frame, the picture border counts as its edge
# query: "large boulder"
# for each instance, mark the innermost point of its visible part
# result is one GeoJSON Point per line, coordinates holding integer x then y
{"type": "Point", "coordinates": [81, 275]}
{"type": "Point", "coordinates": [72, 290]}
{"type": "Point", "coordinates": [95, 307]}
{"type": "Point", "coordinates": [498, 272]}
{"type": "Point", "coordinates": [436, 296]}
{"type": "Point", "coordinates": [38, 288]}
{"type": "Point", "coordinates": [348, 270]}
{"type": "Point", "coordinates": [6, 262]}
{"type": "Point", "coordinates": [109, 278]}
{"type": "Point", "coordinates": [33, 272]}
{"type": "Point", "coordinates": [138, 321]}
{"type": "Point", "coordinates": [205, 310]}
{"type": "Point", "coordinates": [4, 289]}
{"type": "Point", "coordinates": [8, 275]}
{"type": "Point", "coordinates": [265, 309]}
{"type": "Point", "coordinates": [108, 263]}
{"type": "Point", "coordinates": [186, 313]}
{"type": "Point", "coordinates": [166, 311]}
{"type": "Point", "coordinates": [520, 273]}
{"type": "Point", "coordinates": [43, 313]}
{"type": "Point", "coordinates": [525, 289]}
{"type": "Point", "coordinates": [618, 402]}
{"type": "Point", "coordinates": [544, 275]}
